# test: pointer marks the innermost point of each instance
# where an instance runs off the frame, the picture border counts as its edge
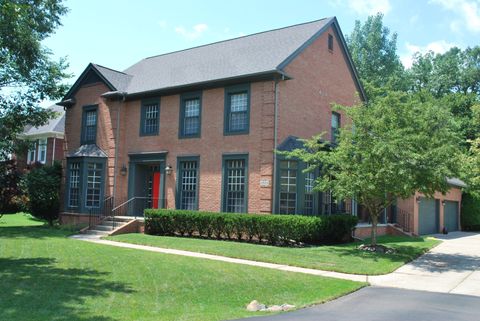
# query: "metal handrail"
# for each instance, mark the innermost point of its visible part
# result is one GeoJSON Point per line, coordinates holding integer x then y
{"type": "Point", "coordinates": [124, 203]}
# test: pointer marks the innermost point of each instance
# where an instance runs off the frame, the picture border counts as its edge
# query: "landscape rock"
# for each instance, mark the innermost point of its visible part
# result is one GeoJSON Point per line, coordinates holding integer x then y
{"type": "Point", "coordinates": [255, 306]}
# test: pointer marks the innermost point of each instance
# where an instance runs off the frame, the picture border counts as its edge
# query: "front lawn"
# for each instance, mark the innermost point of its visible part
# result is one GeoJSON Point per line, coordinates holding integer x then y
{"type": "Point", "coordinates": [340, 258]}
{"type": "Point", "coordinates": [46, 276]}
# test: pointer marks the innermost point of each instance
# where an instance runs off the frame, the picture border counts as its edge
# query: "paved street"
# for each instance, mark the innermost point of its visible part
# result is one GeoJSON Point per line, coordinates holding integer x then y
{"type": "Point", "coordinates": [380, 304]}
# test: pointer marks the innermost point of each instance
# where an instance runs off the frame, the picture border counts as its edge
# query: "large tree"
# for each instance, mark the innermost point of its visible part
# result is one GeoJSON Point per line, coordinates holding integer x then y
{"type": "Point", "coordinates": [397, 145]}
{"type": "Point", "coordinates": [374, 51]}
{"type": "Point", "coordinates": [28, 74]}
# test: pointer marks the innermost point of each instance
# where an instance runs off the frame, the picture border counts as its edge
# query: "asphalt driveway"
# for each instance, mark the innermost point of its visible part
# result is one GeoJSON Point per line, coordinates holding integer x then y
{"type": "Point", "coordinates": [380, 304]}
{"type": "Point", "coordinates": [451, 267]}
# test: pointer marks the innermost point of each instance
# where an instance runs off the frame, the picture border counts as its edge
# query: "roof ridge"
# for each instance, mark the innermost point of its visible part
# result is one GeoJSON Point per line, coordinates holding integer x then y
{"type": "Point", "coordinates": [231, 39]}
{"type": "Point", "coordinates": [120, 72]}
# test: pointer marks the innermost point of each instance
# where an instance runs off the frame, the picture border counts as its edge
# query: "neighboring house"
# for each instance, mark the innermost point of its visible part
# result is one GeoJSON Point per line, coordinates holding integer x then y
{"type": "Point", "coordinates": [197, 128]}
{"type": "Point", "coordinates": [46, 141]}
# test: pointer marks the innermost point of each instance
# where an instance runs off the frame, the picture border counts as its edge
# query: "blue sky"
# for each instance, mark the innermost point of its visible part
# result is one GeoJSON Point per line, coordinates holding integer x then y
{"type": "Point", "coordinates": [119, 33]}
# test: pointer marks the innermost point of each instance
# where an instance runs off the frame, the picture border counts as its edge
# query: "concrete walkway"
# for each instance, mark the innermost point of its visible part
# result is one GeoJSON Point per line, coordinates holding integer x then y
{"type": "Point", "coordinates": [451, 267]}
{"type": "Point", "coordinates": [97, 239]}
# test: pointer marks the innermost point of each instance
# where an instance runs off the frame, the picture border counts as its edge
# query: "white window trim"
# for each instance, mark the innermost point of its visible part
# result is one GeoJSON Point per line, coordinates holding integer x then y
{"type": "Point", "coordinates": [34, 151]}
{"type": "Point", "coordinates": [42, 146]}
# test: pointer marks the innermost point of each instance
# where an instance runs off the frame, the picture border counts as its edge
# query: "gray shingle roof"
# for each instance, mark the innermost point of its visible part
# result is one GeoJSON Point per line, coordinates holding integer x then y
{"type": "Point", "coordinates": [90, 150]}
{"type": "Point", "coordinates": [456, 182]}
{"type": "Point", "coordinates": [251, 57]}
{"type": "Point", "coordinates": [118, 79]}
{"type": "Point", "coordinates": [248, 55]}
{"type": "Point", "coordinates": [55, 125]}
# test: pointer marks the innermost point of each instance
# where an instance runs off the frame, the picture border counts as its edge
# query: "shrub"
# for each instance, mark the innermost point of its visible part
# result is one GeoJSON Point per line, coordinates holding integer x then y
{"type": "Point", "coordinates": [470, 212]}
{"type": "Point", "coordinates": [271, 229]}
{"type": "Point", "coordinates": [10, 192]}
{"type": "Point", "coordinates": [43, 188]}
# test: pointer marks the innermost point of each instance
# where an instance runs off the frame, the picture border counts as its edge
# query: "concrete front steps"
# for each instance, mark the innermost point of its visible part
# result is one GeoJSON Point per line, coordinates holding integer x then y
{"type": "Point", "coordinates": [106, 227]}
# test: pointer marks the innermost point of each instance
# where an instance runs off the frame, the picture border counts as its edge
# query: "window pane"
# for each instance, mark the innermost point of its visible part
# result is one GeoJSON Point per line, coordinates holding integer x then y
{"type": "Point", "coordinates": [235, 186]}
{"type": "Point", "coordinates": [74, 185]}
{"type": "Point", "coordinates": [94, 179]}
{"type": "Point", "coordinates": [238, 113]}
{"type": "Point", "coordinates": [150, 125]}
{"type": "Point", "coordinates": [42, 150]}
{"type": "Point", "coordinates": [288, 187]}
{"type": "Point", "coordinates": [308, 198]}
{"type": "Point", "coordinates": [188, 188]}
{"type": "Point", "coordinates": [90, 126]}
{"type": "Point", "coordinates": [192, 107]}
{"type": "Point", "coordinates": [238, 121]}
{"type": "Point", "coordinates": [335, 120]}
{"type": "Point", "coordinates": [239, 102]}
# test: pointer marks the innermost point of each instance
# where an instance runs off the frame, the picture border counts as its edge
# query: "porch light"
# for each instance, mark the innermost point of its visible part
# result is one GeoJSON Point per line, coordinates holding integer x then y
{"type": "Point", "coordinates": [123, 170]}
{"type": "Point", "coordinates": [418, 199]}
{"type": "Point", "coordinates": [168, 169]}
{"type": "Point", "coordinates": [443, 203]}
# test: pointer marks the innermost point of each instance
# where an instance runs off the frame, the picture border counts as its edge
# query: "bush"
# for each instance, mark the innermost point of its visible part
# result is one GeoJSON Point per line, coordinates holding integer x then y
{"type": "Point", "coordinates": [271, 229]}
{"type": "Point", "coordinates": [10, 192]}
{"type": "Point", "coordinates": [470, 212]}
{"type": "Point", "coordinates": [43, 188]}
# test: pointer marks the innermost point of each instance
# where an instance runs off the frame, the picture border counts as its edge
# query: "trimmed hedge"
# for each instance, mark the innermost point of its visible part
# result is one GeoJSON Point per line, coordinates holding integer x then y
{"type": "Point", "coordinates": [271, 229]}
{"type": "Point", "coordinates": [470, 212]}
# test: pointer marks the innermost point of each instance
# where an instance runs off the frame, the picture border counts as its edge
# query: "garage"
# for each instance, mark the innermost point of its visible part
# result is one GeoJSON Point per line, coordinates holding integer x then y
{"type": "Point", "coordinates": [450, 216]}
{"type": "Point", "coordinates": [428, 216]}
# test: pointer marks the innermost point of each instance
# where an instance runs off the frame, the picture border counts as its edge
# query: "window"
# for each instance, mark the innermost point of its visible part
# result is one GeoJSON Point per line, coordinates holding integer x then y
{"type": "Point", "coordinates": [42, 150]}
{"type": "Point", "coordinates": [235, 184]}
{"type": "Point", "coordinates": [150, 118]}
{"type": "Point", "coordinates": [237, 110]}
{"type": "Point", "coordinates": [288, 187]}
{"type": "Point", "coordinates": [330, 42]}
{"type": "Point", "coordinates": [32, 151]}
{"type": "Point", "coordinates": [335, 127]}
{"type": "Point", "coordinates": [308, 193]}
{"type": "Point", "coordinates": [89, 130]}
{"type": "Point", "coordinates": [94, 181]}
{"type": "Point", "coordinates": [188, 185]}
{"type": "Point", "coordinates": [190, 115]}
{"type": "Point", "coordinates": [74, 185]}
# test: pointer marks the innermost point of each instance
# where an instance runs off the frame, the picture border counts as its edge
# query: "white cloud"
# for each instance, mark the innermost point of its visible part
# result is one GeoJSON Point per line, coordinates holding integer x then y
{"type": "Point", "coordinates": [192, 34]}
{"type": "Point", "coordinates": [440, 46]}
{"type": "Point", "coordinates": [369, 7]}
{"type": "Point", "coordinates": [468, 10]}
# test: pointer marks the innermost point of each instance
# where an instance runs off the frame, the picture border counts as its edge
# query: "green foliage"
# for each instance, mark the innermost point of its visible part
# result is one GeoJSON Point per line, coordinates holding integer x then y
{"type": "Point", "coordinates": [394, 146]}
{"type": "Point", "coordinates": [470, 212]}
{"type": "Point", "coordinates": [374, 51]}
{"type": "Point", "coordinates": [271, 229]}
{"type": "Point", "coordinates": [43, 188]}
{"type": "Point", "coordinates": [454, 71]}
{"type": "Point", "coordinates": [26, 67]}
{"type": "Point", "coordinates": [10, 192]}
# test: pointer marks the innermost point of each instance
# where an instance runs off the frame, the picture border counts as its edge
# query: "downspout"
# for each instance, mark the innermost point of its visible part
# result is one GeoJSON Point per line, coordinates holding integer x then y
{"type": "Point", "coordinates": [53, 149]}
{"type": "Point", "coordinates": [275, 144]}
{"type": "Point", "coordinates": [117, 137]}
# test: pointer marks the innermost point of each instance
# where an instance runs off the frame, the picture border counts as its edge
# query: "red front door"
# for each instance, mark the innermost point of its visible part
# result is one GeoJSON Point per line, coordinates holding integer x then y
{"type": "Point", "coordinates": [155, 189]}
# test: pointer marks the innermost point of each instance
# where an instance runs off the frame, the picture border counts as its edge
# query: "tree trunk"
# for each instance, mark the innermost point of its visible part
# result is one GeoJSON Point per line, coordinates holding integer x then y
{"type": "Point", "coordinates": [374, 218]}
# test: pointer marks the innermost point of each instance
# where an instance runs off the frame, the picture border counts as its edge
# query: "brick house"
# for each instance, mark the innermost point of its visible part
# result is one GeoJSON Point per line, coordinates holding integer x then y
{"type": "Point", "coordinates": [197, 128]}
{"type": "Point", "coordinates": [47, 141]}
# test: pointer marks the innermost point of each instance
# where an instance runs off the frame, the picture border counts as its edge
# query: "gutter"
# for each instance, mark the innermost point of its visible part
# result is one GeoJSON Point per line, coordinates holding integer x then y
{"type": "Point", "coordinates": [117, 137]}
{"type": "Point", "coordinates": [275, 144]}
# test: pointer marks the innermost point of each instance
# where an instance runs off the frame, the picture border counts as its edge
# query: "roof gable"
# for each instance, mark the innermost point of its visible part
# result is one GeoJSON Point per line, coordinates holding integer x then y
{"type": "Point", "coordinates": [114, 80]}
{"type": "Point", "coordinates": [263, 54]}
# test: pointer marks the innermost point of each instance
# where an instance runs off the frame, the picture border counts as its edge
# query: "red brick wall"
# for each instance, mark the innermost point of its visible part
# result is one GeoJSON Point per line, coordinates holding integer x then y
{"type": "Point", "coordinates": [210, 146]}
{"type": "Point", "coordinates": [320, 77]}
{"type": "Point", "coordinates": [54, 150]}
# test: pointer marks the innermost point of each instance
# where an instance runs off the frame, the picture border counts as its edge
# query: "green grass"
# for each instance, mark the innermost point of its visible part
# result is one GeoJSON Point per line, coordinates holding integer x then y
{"type": "Point", "coordinates": [46, 276]}
{"type": "Point", "coordinates": [20, 219]}
{"type": "Point", "coordinates": [340, 258]}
